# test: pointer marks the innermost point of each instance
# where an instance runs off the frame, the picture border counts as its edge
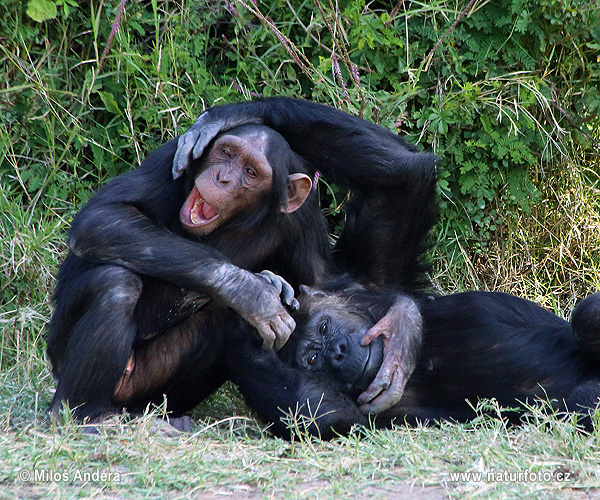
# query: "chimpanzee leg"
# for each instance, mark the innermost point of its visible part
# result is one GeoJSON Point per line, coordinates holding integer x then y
{"type": "Point", "coordinates": [586, 324]}
{"type": "Point", "coordinates": [185, 363]}
{"type": "Point", "coordinates": [100, 340]}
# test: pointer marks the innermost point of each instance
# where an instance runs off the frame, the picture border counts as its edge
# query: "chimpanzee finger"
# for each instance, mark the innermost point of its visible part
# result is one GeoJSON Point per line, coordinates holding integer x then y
{"type": "Point", "coordinates": [371, 334]}
{"type": "Point", "coordinates": [209, 132]}
{"type": "Point", "coordinates": [271, 278]}
{"type": "Point", "coordinates": [268, 337]}
{"type": "Point", "coordinates": [192, 143]}
{"type": "Point", "coordinates": [384, 401]}
{"type": "Point", "coordinates": [281, 340]}
{"type": "Point", "coordinates": [275, 330]}
{"type": "Point", "coordinates": [383, 381]}
{"type": "Point", "coordinates": [380, 384]}
{"type": "Point", "coordinates": [284, 328]}
{"type": "Point", "coordinates": [286, 292]}
{"type": "Point", "coordinates": [284, 289]}
{"type": "Point", "coordinates": [385, 395]}
{"type": "Point", "coordinates": [287, 295]}
{"type": "Point", "coordinates": [185, 144]}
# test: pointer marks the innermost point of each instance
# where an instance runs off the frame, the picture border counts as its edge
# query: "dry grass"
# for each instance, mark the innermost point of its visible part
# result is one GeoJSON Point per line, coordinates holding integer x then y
{"type": "Point", "coordinates": [550, 256]}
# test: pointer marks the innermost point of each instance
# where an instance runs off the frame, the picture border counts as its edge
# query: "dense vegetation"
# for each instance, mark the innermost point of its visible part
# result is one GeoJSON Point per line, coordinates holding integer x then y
{"type": "Point", "coordinates": [507, 92]}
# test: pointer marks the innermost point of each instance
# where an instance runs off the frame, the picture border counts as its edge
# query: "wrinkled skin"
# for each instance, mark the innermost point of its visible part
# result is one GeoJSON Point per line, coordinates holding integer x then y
{"type": "Point", "coordinates": [234, 178]}
{"type": "Point", "coordinates": [371, 362]}
{"type": "Point", "coordinates": [401, 331]}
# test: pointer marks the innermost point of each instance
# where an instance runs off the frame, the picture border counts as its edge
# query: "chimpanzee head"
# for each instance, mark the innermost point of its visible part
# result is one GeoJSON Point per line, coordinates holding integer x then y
{"type": "Point", "coordinates": [249, 171]}
{"type": "Point", "coordinates": [327, 341]}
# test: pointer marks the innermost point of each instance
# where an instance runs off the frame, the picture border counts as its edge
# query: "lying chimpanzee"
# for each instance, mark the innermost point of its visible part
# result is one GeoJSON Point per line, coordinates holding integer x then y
{"type": "Point", "coordinates": [475, 345]}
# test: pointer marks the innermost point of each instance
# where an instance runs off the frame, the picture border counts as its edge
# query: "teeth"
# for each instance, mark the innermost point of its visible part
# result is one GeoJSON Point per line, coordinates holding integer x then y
{"type": "Point", "coordinates": [194, 212]}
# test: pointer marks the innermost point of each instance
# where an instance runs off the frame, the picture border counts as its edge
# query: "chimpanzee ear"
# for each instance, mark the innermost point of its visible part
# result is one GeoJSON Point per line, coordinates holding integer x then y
{"type": "Point", "coordinates": [312, 292]}
{"type": "Point", "coordinates": [298, 190]}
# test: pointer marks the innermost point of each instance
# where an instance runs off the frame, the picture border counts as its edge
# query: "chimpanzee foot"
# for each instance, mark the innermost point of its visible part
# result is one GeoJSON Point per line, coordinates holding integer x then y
{"type": "Point", "coordinates": [169, 426]}
{"type": "Point", "coordinates": [182, 424]}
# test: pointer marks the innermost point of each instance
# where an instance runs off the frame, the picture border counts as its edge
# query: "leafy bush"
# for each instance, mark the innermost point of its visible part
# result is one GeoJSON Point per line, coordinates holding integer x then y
{"type": "Point", "coordinates": [500, 96]}
{"type": "Point", "coordinates": [503, 91]}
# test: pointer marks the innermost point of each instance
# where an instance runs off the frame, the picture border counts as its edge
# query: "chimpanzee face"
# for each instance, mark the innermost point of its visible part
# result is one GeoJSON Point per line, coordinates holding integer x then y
{"type": "Point", "coordinates": [236, 178]}
{"type": "Point", "coordinates": [327, 340]}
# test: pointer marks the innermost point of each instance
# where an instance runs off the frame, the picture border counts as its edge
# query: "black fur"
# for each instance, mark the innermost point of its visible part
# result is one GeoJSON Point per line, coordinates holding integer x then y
{"type": "Point", "coordinates": [133, 274]}
{"type": "Point", "coordinates": [134, 279]}
{"type": "Point", "coordinates": [475, 345]}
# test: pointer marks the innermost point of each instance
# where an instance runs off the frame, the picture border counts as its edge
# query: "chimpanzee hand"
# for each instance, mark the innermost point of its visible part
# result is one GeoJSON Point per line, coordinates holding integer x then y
{"type": "Point", "coordinates": [401, 329]}
{"type": "Point", "coordinates": [271, 320]}
{"type": "Point", "coordinates": [258, 299]}
{"type": "Point", "coordinates": [192, 143]}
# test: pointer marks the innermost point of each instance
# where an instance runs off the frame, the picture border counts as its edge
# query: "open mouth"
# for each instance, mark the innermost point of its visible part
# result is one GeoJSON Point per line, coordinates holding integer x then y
{"type": "Point", "coordinates": [196, 211]}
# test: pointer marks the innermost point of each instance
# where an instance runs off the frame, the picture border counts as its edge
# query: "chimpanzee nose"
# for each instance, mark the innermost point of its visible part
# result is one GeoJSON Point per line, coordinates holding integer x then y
{"type": "Point", "coordinates": [337, 351]}
{"type": "Point", "coordinates": [223, 177]}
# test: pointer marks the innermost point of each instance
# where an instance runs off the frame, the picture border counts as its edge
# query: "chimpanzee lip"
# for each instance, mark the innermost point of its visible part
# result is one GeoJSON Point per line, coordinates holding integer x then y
{"type": "Point", "coordinates": [194, 204]}
{"type": "Point", "coordinates": [372, 365]}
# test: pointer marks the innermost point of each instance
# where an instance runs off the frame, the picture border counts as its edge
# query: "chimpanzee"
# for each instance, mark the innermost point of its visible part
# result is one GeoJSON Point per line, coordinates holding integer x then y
{"type": "Point", "coordinates": [158, 267]}
{"type": "Point", "coordinates": [148, 252]}
{"type": "Point", "coordinates": [388, 219]}
{"type": "Point", "coordinates": [475, 345]}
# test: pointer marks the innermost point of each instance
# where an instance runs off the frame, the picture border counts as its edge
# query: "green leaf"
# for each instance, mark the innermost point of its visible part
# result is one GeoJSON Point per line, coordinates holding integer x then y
{"type": "Point", "coordinates": [41, 10]}
{"type": "Point", "coordinates": [110, 103]}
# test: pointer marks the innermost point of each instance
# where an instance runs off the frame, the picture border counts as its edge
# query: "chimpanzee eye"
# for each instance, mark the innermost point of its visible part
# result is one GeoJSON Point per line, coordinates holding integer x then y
{"type": "Point", "coordinates": [250, 172]}
{"type": "Point", "coordinates": [323, 328]}
{"type": "Point", "coordinates": [226, 152]}
{"type": "Point", "coordinates": [312, 360]}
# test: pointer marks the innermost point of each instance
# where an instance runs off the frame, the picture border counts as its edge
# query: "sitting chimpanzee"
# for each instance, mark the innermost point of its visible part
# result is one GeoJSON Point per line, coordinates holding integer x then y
{"type": "Point", "coordinates": [158, 268]}
{"type": "Point", "coordinates": [475, 345]}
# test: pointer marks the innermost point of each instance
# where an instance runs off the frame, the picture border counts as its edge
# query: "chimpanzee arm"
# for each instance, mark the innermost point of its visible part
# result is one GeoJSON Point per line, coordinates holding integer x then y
{"type": "Point", "coordinates": [126, 224]}
{"type": "Point", "coordinates": [386, 236]}
{"type": "Point", "coordinates": [347, 149]}
{"type": "Point", "coordinates": [286, 397]}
